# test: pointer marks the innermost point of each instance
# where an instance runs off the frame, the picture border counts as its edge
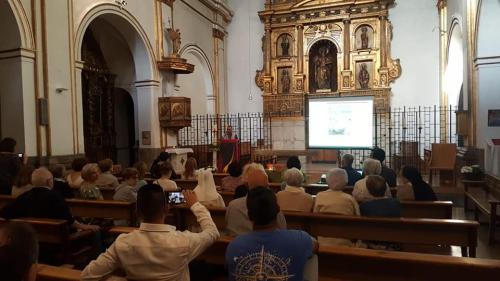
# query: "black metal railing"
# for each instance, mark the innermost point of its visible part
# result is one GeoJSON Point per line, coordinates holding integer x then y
{"type": "Point", "coordinates": [404, 134]}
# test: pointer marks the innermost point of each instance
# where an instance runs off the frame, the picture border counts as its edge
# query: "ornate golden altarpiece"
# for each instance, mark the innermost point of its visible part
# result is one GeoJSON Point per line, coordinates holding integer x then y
{"type": "Point", "coordinates": [325, 48]}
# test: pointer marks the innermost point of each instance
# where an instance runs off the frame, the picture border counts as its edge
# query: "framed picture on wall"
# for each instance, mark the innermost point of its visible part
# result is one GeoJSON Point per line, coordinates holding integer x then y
{"type": "Point", "coordinates": [494, 118]}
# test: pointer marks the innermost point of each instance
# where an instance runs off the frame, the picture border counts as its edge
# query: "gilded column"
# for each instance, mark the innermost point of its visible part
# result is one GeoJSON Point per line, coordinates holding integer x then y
{"type": "Point", "coordinates": [267, 49]}
{"type": "Point", "coordinates": [300, 49]}
{"type": "Point", "coordinates": [347, 44]}
{"type": "Point", "coordinates": [383, 41]}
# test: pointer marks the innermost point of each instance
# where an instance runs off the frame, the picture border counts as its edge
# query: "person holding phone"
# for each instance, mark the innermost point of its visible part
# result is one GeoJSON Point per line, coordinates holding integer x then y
{"type": "Point", "coordinates": [10, 164]}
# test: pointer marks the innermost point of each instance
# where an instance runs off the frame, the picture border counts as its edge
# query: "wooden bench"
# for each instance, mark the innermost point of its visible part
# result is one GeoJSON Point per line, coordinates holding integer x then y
{"type": "Point", "coordinates": [341, 263]}
{"type": "Point", "coordinates": [484, 202]}
{"type": "Point", "coordinates": [411, 209]}
{"type": "Point", "coordinates": [54, 273]}
{"type": "Point", "coordinates": [186, 184]}
{"type": "Point", "coordinates": [107, 209]}
{"type": "Point", "coordinates": [58, 233]}
{"type": "Point", "coordinates": [118, 210]}
{"type": "Point", "coordinates": [411, 231]}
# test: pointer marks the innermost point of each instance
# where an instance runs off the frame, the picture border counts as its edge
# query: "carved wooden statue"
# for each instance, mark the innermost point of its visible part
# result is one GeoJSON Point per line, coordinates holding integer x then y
{"type": "Point", "coordinates": [322, 69]}
{"type": "Point", "coordinates": [364, 77]}
{"type": "Point", "coordinates": [364, 38]}
{"type": "Point", "coordinates": [285, 46]}
{"type": "Point", "coordinates": [175, 36]}
{"type": "Point", "coordinates": [285, 82]}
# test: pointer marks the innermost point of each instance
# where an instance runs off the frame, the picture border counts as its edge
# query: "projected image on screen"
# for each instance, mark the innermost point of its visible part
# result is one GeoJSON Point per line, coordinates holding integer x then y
{"type": "Point", "coordinates": [340, 123]}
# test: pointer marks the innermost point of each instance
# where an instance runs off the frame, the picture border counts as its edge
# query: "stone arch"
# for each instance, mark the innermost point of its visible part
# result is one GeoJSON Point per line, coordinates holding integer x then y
{"type": "Point", "coordinates": [26, 33]}
{"type": "Point", "coordinates": [137, 39]}
{"type": "Point", "coordinates": [331, 39]}
{"type": "Point", "coordinates": [17, 77]}
{"type": "Point", "coordinates": [455, 65]}
{"type": "Point", "coordinates": [203, 70]}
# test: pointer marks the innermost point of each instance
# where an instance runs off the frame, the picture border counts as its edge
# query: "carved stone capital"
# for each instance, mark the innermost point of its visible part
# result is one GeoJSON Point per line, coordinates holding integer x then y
{"type": "Point", "coordinates": [169, 3]}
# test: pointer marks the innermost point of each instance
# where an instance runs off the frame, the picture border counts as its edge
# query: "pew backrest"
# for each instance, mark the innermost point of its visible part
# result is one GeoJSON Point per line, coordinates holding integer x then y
{"type": "Point", "coordinates": [118, 210]}
{"type": "Point", "coordinates": [396, 230]}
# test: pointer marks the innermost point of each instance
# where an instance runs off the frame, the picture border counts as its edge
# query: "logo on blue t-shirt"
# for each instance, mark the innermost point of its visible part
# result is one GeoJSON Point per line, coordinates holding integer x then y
{"type": "Point", "coordinates": [261, 266]}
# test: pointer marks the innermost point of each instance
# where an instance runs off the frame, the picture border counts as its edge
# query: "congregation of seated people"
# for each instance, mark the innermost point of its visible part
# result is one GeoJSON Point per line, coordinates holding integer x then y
{"type": "Point", "coordinates": [157, 251]}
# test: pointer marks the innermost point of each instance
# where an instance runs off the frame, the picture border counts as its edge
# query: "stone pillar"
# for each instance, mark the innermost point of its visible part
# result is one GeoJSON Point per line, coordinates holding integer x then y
{"type": "Point", "coordinates": [148, 128]}
{"type": "Point", "coordinates": [383, 41]}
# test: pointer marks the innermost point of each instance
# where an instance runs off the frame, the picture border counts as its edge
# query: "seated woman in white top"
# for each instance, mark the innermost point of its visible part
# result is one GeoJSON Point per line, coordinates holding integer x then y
{"type": "Point", "coordinates": [206, 191]}
{"type": "Point", "coordinates": [165, 182]}
{"type": "Point", "coordinates": [294, 197]}
{"type": "Point", "coordinates": [335, 201]}
{"type": "Point", "coordinates": [371, 167]}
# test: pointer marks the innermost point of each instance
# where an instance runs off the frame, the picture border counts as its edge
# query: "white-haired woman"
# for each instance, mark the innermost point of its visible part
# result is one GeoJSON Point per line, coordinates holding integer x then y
{"type": "Point", "coordinates": [371, 167]}
{"type": "Point", "coordinates": [335, 201]}
{"type": "Point", "coordinates": [294, 197]}
{"type": "Point", "coordinates": [206, 191]}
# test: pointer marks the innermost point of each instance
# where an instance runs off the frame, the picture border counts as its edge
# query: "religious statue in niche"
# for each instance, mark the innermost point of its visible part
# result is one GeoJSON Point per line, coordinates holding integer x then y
{"type": "Point", "coordinates": [323, 67]}
{"type": "Point", "coordinates": [363, 74]}
{"type": "Point", "coordinates": [283, 48]}
{"type": "Point", "coordinates": [364, 37]}
{"type": "Point", "coordinates": [284, 80]}
{"type": "Point", "coordinates": [175, 36]}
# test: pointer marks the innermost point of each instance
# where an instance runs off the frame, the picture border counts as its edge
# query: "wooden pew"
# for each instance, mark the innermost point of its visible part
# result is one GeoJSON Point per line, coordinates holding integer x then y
{"type": "Point", "coordinates": [108, 209]}
{"type": "Point", "coordinates": [186, 184]}
{"type": "Point", "coordinates": [54, 273]}
{"type": "Point", "coordinates": [58, 233]}
{"type": "Point", "coordinates": [117, 210]}
{"type": "Point", "coordinates": [411, 209]}
{"type": "Point", "coordinates": [342, 263]}
{"type": "Point", "coordinates": [396, 230]}
{"type": "Point", "coordinates": [485, 201]}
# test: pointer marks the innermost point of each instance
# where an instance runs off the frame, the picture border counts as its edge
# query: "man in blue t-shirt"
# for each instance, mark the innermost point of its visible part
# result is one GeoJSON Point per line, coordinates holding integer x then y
{"type": "Point", "coordinates": [268, 253]}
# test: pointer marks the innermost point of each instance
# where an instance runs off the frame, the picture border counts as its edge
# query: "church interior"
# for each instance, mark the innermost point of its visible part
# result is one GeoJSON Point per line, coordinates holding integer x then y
{"type": "Point", "coordinates": [373, 124]}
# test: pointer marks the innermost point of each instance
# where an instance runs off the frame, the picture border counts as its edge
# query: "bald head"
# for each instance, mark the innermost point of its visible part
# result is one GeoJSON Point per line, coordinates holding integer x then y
{"type": "Point", "coordinates": [257, 178]}
{"type": "Point", "coordinates": [42, 178]}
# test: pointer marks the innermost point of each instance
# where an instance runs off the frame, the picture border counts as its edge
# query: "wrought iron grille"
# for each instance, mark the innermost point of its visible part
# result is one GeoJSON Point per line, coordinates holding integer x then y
{"type": "Point", "coordinates": [404, 133]}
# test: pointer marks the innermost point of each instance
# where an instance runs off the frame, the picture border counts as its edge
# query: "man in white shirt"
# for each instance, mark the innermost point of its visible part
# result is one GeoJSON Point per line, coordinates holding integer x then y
{"type": "Point", "coordinates": [156, 251]}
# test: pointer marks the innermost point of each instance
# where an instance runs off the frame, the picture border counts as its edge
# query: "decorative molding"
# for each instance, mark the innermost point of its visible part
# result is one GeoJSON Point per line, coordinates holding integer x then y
{"type": "Point", "coordinates": [217, 33]}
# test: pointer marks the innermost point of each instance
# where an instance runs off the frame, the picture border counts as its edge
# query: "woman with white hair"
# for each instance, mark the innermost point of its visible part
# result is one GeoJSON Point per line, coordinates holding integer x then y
{"type": "Point", "coordinates": [206, 191]}
{"type": "Point", "coordinates": [334, 200]}
{"type": "Point", "coordinates": [294, 197]}
{"type": "Point", "coordinates": [371, 167]}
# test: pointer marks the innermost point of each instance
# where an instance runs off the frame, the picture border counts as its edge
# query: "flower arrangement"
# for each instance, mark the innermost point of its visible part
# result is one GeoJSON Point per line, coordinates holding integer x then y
{"type": "Point", "coordinates": [473, 172]}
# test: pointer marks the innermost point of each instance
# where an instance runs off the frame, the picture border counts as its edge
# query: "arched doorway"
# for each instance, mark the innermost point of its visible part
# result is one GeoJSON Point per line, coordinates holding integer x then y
{"type": "Point", "coordinates": [126, 143]}
{"type": "Point", "coordinates": [454, 73]}
{"type": "Point", "coordinates": [17, 103]}
{"type": "Point", "coordinates": [108, 93]}
{"type": "Point", "coordinates": [323, 67]}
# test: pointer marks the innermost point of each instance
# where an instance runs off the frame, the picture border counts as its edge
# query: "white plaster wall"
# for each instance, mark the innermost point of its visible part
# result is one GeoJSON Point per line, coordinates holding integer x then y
{"type": "Point", "coordinates": [59, 76]}
{"type": "Point", "coordinates": [457, 13]}
{"type": "Point", "coordinates": [416, 43]}
{"type": "Point", "coordinates": [244, 51]}
{"type": "Point", "coordinates": [488, 48]}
